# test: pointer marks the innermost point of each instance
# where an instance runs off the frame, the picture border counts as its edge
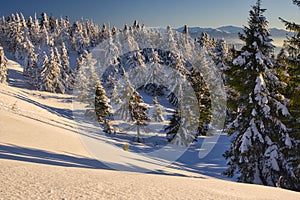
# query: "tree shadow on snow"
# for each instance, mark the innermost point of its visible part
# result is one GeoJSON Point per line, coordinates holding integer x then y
{"type": "Point", "coordinates": [13, 152]}
{"type": "Point", "coordinates": [25, 154]}
{"type": "Point", "coordinates": [66, 113]}
{"type": "Point", "coordinates": [213, 164]}
{"type": "Point", "coordinates": [16, 79]}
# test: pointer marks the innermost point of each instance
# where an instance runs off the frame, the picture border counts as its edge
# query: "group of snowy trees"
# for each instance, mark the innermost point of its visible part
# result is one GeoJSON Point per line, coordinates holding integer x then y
{"type": "Point", "coordinates": [128, 105]}
{"type": "Point", "coordinates": [45, 31]}
{"type": "Point", "coordinates": [56, 74]}
{"type": "Point", "coordinates": [44, 45]}
{"type": "Point", "coordinates": [140, 68]}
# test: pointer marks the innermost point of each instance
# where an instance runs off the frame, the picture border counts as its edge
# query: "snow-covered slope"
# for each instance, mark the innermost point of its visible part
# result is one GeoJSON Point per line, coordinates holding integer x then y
{"type": "Point", "coordinates": [42, 157]}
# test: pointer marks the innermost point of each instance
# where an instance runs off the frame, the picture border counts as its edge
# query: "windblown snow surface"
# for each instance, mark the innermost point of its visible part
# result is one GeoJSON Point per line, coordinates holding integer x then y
{"type": "Point", "coordinates": [43, 157]}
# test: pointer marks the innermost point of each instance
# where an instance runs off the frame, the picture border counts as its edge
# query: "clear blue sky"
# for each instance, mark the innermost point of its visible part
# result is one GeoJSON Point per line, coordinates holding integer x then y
{"type": "Point", "coordinates": [156, 13]}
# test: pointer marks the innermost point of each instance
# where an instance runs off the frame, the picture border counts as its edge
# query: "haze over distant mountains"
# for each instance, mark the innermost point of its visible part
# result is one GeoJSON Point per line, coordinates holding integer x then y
{"type": "Point", "coordinates": [230, 33]}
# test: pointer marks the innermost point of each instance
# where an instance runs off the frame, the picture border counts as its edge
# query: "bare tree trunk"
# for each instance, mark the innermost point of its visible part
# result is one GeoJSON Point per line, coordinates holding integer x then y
{"type": "Point", "coordinates": [279, 182]}
{"type": "Point", "coordinates": [138, 132]}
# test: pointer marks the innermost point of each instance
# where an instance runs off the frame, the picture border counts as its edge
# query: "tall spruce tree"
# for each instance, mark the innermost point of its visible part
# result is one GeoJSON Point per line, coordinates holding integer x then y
{"type": "Point", "coordinates": [138, 110]}
{"type": "Point", "coordinates": [29, 58]}
{"type": "Point", "coordinates": [292, 44]}
{"type": "Point", "coordinates": [66, 72]}
{"type": "Point", "coordinates": [44, 21]}
{"type": "Point", "coordinates": [114, 96]}
{"type": "Point", "coordinates": [58, 81]}
{"type": "Point", "coordinates": [204, 100]}
{"type": "Point", "coordinates": [45, 40]}
{"type": "Point", "coordinates": [31, 64]}
{"type": "Point", "coordinates": [207, 43]}
{"type": "Point", "coordinates": [102, 108]}
{"type": "Point", "coordinates": [50, 76]}
{"type": "Point", "coordinates": [51, 73]}
{"type": "Point", "coordinates": [221, 54]}
{"type": "Point", "coordinates": [256, 154]}
{"type": "Point", "coordinates": [3, 67]}
{"type": "Point", "coordinates": [157, 113]}
{"type": "Point", "coordinates": [173, 126]}
{"type": "Point", "coordinates": [46, 75]}
{"type": "Point", "coordinates": [289, 59]}
{"type": "Point", "coordinates": [86, 78]}
{"type": "Point", "coordinates": [125, 94]}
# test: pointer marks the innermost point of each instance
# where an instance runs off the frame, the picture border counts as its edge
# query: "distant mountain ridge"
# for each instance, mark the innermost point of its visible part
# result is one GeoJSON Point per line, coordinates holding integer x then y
{"type": "Point", "coordinates": [229, 32]}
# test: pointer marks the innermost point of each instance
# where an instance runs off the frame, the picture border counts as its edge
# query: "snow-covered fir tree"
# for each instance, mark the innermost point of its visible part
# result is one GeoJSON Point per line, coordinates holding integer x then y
{"type": "Point", "coordinates": [156, 77]}
{"type": "Point", "coordinates": [64, 34]}
{"type": "Point", "coordinates": [52, 24]}
{"type": "Point", "coordinates": [207, 43]}
{"type": "Point", "coordinates": [169, 40]}
{"type": "Point", "coordinates": [13, 33]}
{"type": "Point", "coordinates": [136, 24]}
{"type": "Point", "coordinates": [138, 110]}
{"type": "Point", "coordinates": [3, 66]}
{"type": "Point", "coordinates": [45, 40]}
{"type": "Point", "coordinates": [221, 54]}
{"type": "Point", "coordinates": [105, 32]}
{"type": "Point", "coordinates": [202, 92]}
{"type": "Point", "coordinates": [51, 73]}
{"type": "Point", "coordinates": [80, 38]}
{"type": "Point", "coordinates": [3, 29]}
{"type": "Point", "coordinates": [156, 112]}
{"type": "Point", "coordinates": [176, 79]}
{"type": "Point", "coordinates": [114, 97]}
{"type": "Point", "coordinates": [123, 112]}
{"type": "Point", "coordinates": [81, 84]}
{"type": "Point", "coordinates": [58, 81]}
{"type": "Point", "coordinates": [34, 29]}
{"type": "Point", "coordinates": [114, 30]}
{"type": "Point", "coordinates": [46, 75]}
{"type": "Point", "coordinates": [173, 126]}
{"type": "Point", "coordinates": [44, 21]}
{"type": "Point", "coordinates": [31, 64]}
{"type": "Point", "coordinates": [128, 41]}
{"type": "Point", "coordinates": [111, 52]}
{"type": "Point", "coordinates": [187, 131]}
{"type": "Point", "coordinates": [94, 32]}
{"type": "Point", "coordinates": [138, 74]}
{"type": "Point", "coordinates": [185, 30]}
{"type": "Point", "coordinates": [256, 154]}
{"type": "Point", "coordinates": [289, 59]}
{"type": "Point", "coordinates": [23, 22]}
{"type": "Point", "coordinates": [19, 43]}
{"type": "Point", "coordinates": [132, 109]}
{"type": "Point", "coordinates": [67, 74]}
{"type": "Point", "coordinates": [86, 78]}
{"type": "Point", "coordinates": [185, 45]}
{"type": "Point", "coordinates": [102, 107]}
